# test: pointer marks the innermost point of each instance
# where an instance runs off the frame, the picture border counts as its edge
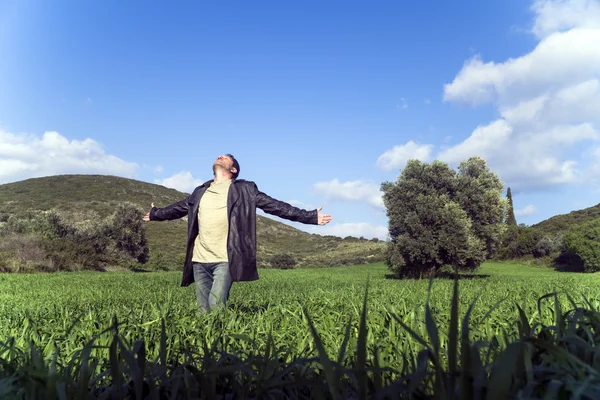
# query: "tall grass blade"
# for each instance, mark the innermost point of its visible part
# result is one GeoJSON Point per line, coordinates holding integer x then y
{"type": "Point", "coordinates": [468, 355]}
{"type": "Point", "coordinates": [539, 302]}
{"type": "Point", "coordinates": [342, 351]}
{"type": "Point", "coordinates": [85, 372]}
{"type": "Point", "coordinates": [361, 349]}
{"type": "Point", "coordinates": [502, 373]}
{"type": "Point", "coordinates": [432, 330]}
{"type": "Point", "coordinates": [558, 317]}
{"type": "Point", "coordinates": [524, 327]}
{"type": "Point", "coordinates": [117, 378]}
{"type": "Point", "coordinates": [453, 343]}
{"type": "Point", "coordinates": [411, 332]}
{"type": "Point", "coordinates": [162, 350]}
{"type": "Point", "coordinates": [328, 367]}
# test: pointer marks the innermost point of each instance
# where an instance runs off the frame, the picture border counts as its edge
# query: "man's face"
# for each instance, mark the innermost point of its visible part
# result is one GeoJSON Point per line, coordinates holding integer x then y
{"type": "Point", "coordinates": [224, 162]}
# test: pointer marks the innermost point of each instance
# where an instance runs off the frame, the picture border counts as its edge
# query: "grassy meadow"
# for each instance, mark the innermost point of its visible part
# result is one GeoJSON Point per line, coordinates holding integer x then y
{"type": "Point", "coordinates": [289, 322]}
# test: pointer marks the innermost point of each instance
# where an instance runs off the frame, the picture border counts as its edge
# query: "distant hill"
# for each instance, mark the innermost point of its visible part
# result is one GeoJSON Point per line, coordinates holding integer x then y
{"type": "Point", "coordinates": [96, 196]}
{"type": "Point", "coordinates": [561, 223]}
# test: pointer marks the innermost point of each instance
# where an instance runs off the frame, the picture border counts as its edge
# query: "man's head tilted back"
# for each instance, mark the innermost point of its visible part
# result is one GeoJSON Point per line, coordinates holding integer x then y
{"type": "Point", "coordinates": [227, 162]}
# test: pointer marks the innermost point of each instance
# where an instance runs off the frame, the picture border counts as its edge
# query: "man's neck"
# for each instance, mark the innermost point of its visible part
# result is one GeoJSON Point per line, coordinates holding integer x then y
{"type": "Point", "coordinates": [222, 176]}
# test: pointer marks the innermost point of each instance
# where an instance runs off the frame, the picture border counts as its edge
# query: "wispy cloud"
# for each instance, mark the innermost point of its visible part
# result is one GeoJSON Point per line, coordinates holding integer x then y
{"type": "Point", "coordinates": [25, 156]}
{"type": "Point", "coordinates": [182, 181]}
{"type": "Point", "coordinates": [356, 229]}
{"type": "Point", "coordinates": [396, 157]}
{"type": "Point", "coordinates": [357, 191]}
{"type": "Point", "coordinates": [403, 104]}
{"type": "Point", "coordinates": [301, 204]}
{"type": "Point", "coordinates": [526, 211]}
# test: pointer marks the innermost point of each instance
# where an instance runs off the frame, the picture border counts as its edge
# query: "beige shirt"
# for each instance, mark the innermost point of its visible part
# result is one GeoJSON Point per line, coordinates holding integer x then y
{"type": "Point", "coordinates": [210, 245]}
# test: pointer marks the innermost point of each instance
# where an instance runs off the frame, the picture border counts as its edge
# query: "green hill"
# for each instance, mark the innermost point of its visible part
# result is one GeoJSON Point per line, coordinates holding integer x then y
{"type": "Point", "coordinates": [561, 223]}
{"type": "Point", "coordinates": [84, 197]}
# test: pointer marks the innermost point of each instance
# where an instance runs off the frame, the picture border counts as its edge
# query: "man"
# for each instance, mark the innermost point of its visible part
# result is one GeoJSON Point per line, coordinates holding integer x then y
{"type": "Point", "coordinates": [221, 244]}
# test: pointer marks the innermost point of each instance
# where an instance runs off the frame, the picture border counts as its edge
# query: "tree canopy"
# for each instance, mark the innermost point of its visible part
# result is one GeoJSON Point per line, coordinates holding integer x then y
{"type": "Point", "coordinates": [440, 217]}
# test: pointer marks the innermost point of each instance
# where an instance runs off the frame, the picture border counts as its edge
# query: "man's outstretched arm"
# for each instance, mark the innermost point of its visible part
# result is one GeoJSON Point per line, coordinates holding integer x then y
{"type": "Point", "coordinates": [173, 211]}
{"type": "Point", "coordinates": [289, 212]}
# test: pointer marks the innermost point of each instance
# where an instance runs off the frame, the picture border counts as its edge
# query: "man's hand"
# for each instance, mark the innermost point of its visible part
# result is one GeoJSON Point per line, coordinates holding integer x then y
{"type": "Point", "coordinates": [323, 219]}
{"type": "Point", "coordinates": [147, 216]}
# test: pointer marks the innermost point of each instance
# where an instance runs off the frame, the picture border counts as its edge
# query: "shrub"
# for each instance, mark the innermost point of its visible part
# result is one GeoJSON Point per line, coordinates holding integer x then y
{"type": "Point", "coordinates": [70, 254]}
{"type": "Point", "coordinates": [126, 228]}
{"type": "Point", "coordinates": [583, 242]}
{"type": "Point", "coordinates": [51, 224]}
{"type": "Point", "coordinates": [522, 241]}
{"type": "Point", "coordinates": [358, 260]}
{"type": "Point", "coordinates": [51, 241]}
{"type": "Point", "coordinates": [44, 225]}
{"type": "Point", "coordinates": [527, 241]}
{"type": "Point", "coordinates": [548, 245]}
{"type": "Point", "coordinates": [22, 253]}
{"type": "Point", "coordinates": [509, 247]}
{"type": "Point", "coordinates": [283, 261]}
{"type": "Point", "coordinates": [5, 261]}
{"type": "Point", "coordinates": [13, 225]}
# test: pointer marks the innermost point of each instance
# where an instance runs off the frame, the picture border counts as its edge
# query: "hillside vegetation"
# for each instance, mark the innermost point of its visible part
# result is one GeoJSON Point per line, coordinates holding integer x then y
{"type": "Point", "coordinates": [90, 197]}
{"type": "Point", "coordinates": [561, 223]}
{"type": "Point", "coordinates": [568, 242]}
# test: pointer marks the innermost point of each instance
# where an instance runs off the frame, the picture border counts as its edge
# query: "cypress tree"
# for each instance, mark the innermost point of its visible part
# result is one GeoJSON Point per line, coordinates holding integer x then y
{"type": "Point", "coordinates": [510, 216]}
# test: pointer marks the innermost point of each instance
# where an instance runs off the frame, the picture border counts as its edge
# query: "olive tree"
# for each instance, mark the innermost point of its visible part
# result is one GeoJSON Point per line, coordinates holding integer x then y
{"type": "Point", "coordinates": [479, 193]}
{"type": "Point", "coordinates": [440, 217]}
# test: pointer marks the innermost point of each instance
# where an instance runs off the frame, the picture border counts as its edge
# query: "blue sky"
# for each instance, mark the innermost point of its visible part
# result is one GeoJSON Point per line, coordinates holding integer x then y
{"type": "Point", "coordinates": [319, 101]}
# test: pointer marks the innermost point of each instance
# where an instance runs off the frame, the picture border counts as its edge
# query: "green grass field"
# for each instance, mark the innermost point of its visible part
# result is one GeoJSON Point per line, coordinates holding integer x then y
{"type": "Point", "coordinates": [60, 312]}
{"type": "Point", "coordinates": [44, 306]}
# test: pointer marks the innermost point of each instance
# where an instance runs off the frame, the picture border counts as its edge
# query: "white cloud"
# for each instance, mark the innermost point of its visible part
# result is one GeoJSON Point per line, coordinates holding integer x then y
{"type": "Point", "coordinates": [560, 59]}
{"type": "Point", "coordinates": [356, 229]}
{"type": "Point", "coordinates": [574, 104]}
{"type": "Point", "coordinates": [482, 142]}
{"type": "Point", "coordinates": [557, 16]}
{"type": "Point", "coordinates": [548, 100]}
{"type": "Point", "coordinates": [359, 191]}
{"type": "Point", "coordinates": [524, 212]}
{"type": "Point", "coordinates": [593, 174]}
{"type": "Point", "coordinates": [300, 204]}
{"type": "Point", "coordinates": [403, 105]}
{"type": "Point", "coordinates": [182, 181]}
{"type": "Point", "coordinates": [24, 156]}
{"type": "Point", "coordinates": [396, 157]}
{"type": "Point", "coordinates": [427, 101]}
{"type": "Point", "coordinates": [159, 169]}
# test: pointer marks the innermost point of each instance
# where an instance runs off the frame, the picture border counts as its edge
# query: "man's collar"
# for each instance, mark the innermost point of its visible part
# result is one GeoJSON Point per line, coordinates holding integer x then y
{"type": "Point", "coordinates": [207, 183]}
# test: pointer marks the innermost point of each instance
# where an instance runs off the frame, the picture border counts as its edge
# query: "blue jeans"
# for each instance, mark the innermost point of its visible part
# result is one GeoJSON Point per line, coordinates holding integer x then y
{"type": "Point", "coordinates": [213, 282]}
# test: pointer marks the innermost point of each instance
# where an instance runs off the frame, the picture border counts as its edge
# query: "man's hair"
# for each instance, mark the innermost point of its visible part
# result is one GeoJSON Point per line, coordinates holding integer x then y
{"type": "Point", "coordinates": [236, 165]}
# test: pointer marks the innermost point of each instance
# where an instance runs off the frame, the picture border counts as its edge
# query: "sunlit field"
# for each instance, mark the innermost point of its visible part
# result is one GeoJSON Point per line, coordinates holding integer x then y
{"type": "Point", "coordinates": [49, 318]}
